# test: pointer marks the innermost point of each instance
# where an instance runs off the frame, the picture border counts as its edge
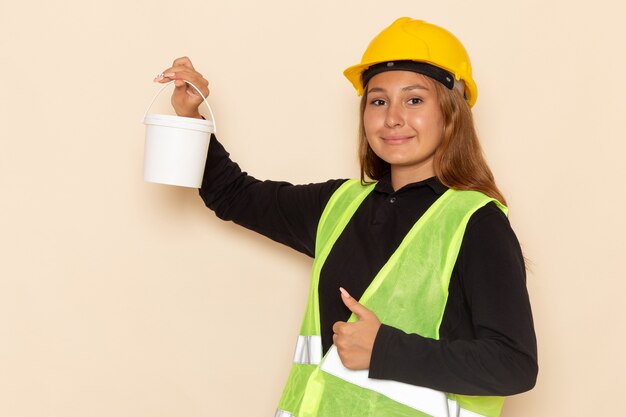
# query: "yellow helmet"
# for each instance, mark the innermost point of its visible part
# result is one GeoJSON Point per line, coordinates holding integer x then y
{"type": "Point", "coordinates": [415, 40]}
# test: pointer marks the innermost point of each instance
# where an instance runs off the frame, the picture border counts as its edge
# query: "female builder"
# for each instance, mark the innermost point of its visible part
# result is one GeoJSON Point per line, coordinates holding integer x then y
{"type": "Point", "coordinates": [442, 325]}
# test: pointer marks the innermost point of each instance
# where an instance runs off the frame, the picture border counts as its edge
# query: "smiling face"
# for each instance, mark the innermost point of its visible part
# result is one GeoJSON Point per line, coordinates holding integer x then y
{"type": "Point", "coordinates": [403, 124]}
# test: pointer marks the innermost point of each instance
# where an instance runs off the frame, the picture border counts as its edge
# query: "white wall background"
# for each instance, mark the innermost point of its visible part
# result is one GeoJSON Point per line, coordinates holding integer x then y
{"type": "Point", "coordinates": [119, 297]}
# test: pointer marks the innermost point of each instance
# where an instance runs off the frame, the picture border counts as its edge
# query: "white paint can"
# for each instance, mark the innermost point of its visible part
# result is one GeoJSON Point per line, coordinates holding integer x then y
{"type": "Point", "coordinates": [176, 147]}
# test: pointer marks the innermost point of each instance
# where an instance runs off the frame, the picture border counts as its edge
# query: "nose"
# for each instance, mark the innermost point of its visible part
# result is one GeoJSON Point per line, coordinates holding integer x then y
{"type": "Point", "coordinates": [394, 116]}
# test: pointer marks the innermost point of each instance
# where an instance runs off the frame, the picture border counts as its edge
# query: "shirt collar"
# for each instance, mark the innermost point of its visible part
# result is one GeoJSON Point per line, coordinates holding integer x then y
{"type": "Point", "coordinates": [384, 185]}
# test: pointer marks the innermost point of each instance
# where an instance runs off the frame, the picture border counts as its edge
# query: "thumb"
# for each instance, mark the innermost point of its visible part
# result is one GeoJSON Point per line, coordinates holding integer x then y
{"type": "Point", "coordinates": [357, 308]}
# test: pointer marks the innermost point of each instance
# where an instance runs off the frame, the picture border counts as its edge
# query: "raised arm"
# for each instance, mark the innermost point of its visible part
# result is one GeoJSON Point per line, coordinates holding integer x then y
{"type": "Point", "coordinates": [279, 210]}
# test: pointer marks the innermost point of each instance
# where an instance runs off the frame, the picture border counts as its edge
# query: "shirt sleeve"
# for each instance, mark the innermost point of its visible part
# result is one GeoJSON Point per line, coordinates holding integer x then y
{"type": "Point", "coordinates": [500, 358]}
{"type": "Point", "coordinates": [283, 212]}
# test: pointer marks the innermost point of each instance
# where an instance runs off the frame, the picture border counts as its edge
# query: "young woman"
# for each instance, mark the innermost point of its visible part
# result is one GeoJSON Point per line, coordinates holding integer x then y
{"type": "Point", "coordinates": [442, 325]}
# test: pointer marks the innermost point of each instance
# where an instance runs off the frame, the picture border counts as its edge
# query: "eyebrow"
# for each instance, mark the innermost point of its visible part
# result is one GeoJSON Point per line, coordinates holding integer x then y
{"type": "Point", "coordinates": [407, 88]}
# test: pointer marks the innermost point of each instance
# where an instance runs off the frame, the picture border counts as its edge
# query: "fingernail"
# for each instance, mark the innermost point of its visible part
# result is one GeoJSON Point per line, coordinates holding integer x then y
{"type": "Point", "coordinates": [344, 292]}
{"type": "Point", "coordinates": [169, 74]}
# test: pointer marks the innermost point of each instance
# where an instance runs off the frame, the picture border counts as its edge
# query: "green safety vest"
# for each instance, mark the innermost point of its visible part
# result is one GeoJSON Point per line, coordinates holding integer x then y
{"type": "Point", "coordinates": [408, 293]}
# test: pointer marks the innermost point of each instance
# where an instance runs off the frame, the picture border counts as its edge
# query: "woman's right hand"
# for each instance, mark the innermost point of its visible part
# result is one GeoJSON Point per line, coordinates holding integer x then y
{"type": "Point", "coordinates": [185, 98]}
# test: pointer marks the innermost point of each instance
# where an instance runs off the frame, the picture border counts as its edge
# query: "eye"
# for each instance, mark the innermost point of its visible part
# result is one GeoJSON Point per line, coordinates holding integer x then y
{"type": "Point", "coordinates": [378, 102]}
{"type": "Point", "coordinates": [415, 100]}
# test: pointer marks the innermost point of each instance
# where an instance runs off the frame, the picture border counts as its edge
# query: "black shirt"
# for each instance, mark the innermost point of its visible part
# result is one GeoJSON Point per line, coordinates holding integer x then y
{"type": "Point", "coordinates": [487, 342]}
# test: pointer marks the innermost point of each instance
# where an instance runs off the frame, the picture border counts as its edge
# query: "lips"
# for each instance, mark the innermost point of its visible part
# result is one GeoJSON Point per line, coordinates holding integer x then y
{"type": "Point", "coordinates": [396, 139]}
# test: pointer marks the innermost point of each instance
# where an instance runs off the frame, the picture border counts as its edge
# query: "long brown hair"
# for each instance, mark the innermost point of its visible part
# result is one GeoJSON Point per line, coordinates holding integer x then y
{"type": "Point", "coordinates": [459, 162]}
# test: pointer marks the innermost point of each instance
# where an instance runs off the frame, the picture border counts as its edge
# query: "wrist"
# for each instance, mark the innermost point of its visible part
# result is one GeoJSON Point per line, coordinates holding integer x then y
{"type": "Point", "coordinates": [195, 115]}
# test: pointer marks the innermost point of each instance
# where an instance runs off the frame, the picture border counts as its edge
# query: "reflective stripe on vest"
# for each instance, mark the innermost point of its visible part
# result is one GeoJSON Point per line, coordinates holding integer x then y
{"type": "Point", "coordinates": [453, 411]}
{"type": "Point", "coordinates": [421, 267]}
{"type": "Point", "coordinates": [429, 401]}
{"type": "Point", "coordinates": [308, 350]}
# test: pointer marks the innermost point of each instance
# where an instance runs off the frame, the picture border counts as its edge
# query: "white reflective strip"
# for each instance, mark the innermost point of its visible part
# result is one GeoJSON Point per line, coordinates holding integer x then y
{"type": "Point", "coordinates": [453, 408]}
{"type": "Point", "coordinates": [468, 413]}
{"type": "Point", "coordinates": [308, 350]}
{"type": "Point", "coordinates": [283, 413]}
{"type": "Point", "coordinates": [426, 400]}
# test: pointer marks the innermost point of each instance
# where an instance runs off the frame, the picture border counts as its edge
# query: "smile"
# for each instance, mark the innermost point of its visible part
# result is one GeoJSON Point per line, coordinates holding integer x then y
{"type": "Point", "coordinates": [396, 140]}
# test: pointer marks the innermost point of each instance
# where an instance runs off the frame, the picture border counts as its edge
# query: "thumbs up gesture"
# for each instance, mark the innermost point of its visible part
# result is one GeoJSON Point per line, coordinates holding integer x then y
{"type": "Point", "coordinates": [355, 341]}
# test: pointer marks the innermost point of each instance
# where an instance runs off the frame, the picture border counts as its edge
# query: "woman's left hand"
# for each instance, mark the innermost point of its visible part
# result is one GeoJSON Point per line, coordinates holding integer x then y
{"type": "Point", "coordinates": [355, 340]}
